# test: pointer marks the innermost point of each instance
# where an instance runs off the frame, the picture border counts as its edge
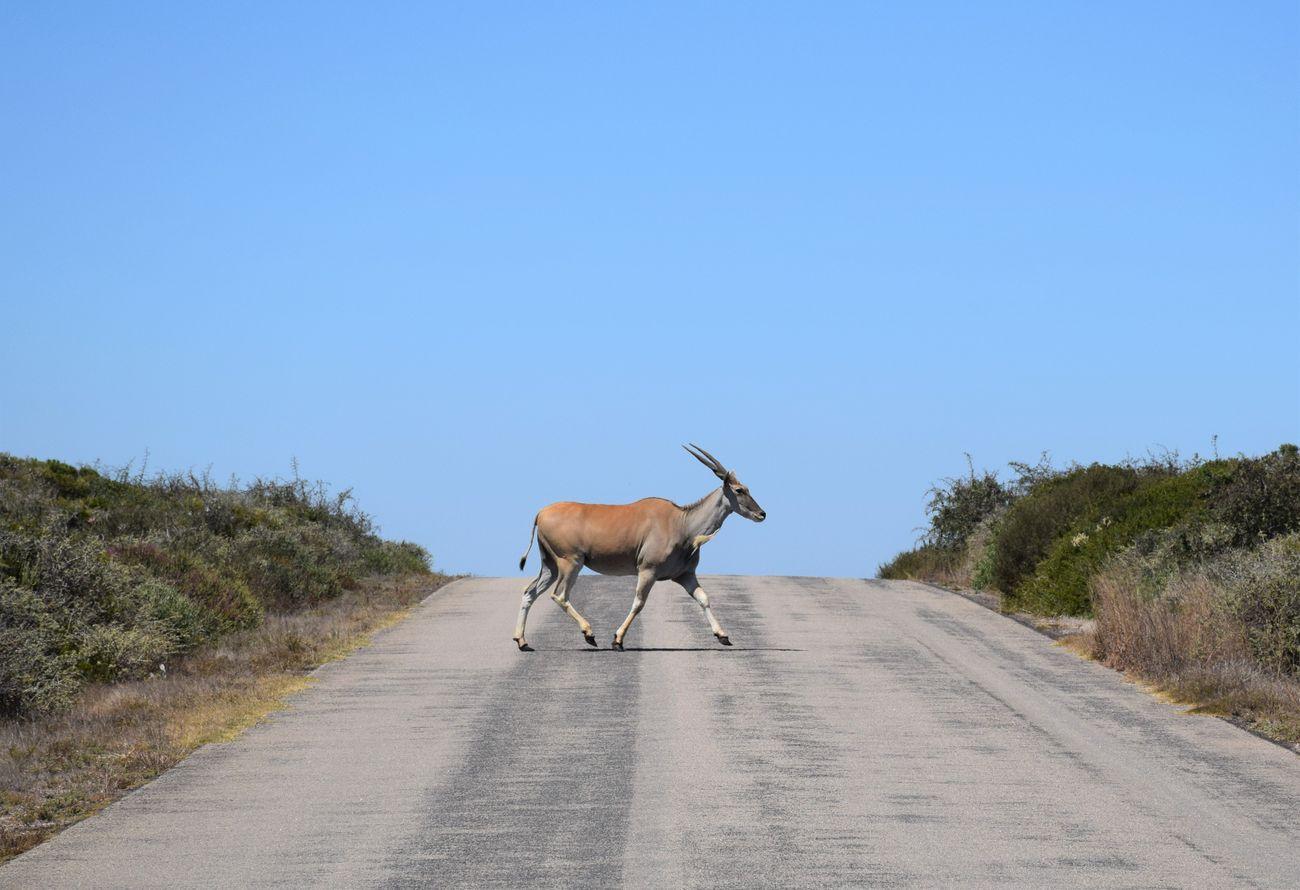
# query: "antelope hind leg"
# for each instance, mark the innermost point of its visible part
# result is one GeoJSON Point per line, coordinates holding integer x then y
{"type": "Point", "coordinates": [644, 581]}
{"type": "Point", "coordinates": [531, 593]}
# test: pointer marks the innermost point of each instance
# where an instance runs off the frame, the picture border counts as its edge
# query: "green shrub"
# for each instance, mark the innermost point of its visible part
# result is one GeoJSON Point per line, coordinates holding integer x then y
{"type": "Point", "coordinates": [212, 580]}
{"type": "Point", "coordinates": [1196, 540]}
{"type": "Point", "coordinates": [105, 575]}
{"type": "Point", "coordinates": [982, 575]}
{"type": "Point", "coordinates": [1266, 586]}
{"type": "Point", "coordinates": [1260, 497]}
{"type": "Point", "coordinates": [1060, 582]}
{"type": "Point", "coordinates": [294, 567]}
{"type": "Point", "coordinates": [161, 605]}
{"type": "Point", "coordinates": [396, 558]}
{"type": "Point", "coordinates": [73, 571]}
{"type": "Point", "coordinates": [959, 504]}
{"type": "Point", "coordinates": [37, 675]}
{"type": "Point", "coordinates": [70, 481]}
{"type": "Point", "coordinates": [109, 652]}
{"type": "Point", "coordinates": [1033, 523]}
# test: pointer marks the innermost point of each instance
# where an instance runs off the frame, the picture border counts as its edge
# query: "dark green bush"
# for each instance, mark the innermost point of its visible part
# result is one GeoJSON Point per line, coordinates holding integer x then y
{"type": "Point", "coordinates": [69, 481]}
{"type": "Point", "coordinates": [959, 504]}
{"type": "Point", "coordinates": [1060, 582]}
{"type": "Point", "coordinates": [1260, 497]}
{"type": "Point", "coordinates": [1035, 521]}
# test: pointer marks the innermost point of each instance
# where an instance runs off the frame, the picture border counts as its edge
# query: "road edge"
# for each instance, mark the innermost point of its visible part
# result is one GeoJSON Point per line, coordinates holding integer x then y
{"type": "Point", "coordinates": [1056, 636]}
{"type": "Point", "coordinates": [310, 678]}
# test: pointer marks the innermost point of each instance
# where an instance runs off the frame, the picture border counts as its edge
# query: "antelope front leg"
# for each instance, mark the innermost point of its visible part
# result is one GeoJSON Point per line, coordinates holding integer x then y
{"type": "Point", "coordinates": [583, 624]}
{"type": "Point", "coordinates": [644, 581]}
{"type": "Point", "coordinates": [692, 586]}
{"type": "Point", "coordinates": [569, 571]}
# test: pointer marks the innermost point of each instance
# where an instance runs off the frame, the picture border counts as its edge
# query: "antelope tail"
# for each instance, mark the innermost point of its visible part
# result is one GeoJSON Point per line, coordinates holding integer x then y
{"type": "Point", "coordinates": [523, 559]}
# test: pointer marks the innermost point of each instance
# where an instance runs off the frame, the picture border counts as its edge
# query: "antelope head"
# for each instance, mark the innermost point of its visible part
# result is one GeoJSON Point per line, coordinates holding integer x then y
{"type": "Point", "coordinates": [736, 492]}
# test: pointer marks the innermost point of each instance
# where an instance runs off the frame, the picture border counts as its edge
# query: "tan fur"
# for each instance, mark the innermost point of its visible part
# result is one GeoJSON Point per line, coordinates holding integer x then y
{"type": "Point", "coordinates": [614, 539]}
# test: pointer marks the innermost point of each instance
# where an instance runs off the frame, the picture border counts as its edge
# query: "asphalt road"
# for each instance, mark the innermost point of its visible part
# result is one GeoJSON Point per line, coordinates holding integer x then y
{"type": "Point", "coordinates": [858, 733]}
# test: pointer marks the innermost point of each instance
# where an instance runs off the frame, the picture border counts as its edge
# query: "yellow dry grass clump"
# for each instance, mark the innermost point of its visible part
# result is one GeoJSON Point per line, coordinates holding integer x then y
{"type": "Point", "coordinates": [1189, 644]}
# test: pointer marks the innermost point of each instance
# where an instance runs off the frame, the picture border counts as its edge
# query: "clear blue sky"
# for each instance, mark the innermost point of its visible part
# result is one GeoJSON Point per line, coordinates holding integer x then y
{"type": "Point", "coordinates": [473, 258]}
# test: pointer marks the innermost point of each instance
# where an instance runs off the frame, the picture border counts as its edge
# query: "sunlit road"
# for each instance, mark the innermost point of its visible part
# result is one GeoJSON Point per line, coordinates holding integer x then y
{"type": "Point", "coordinates": [858, 733]}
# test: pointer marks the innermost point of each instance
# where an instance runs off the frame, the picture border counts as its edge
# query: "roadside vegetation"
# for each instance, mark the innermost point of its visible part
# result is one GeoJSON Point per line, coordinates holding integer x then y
{"type": "Point", "coordinates": [142, 617]}
{"type": "Point", "coordinates": [1188, 571]}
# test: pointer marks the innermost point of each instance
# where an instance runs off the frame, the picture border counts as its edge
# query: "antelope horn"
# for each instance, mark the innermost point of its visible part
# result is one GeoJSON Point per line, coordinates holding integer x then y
{"type": "Point", "coordinates": [707, 459]}
{"type": "Point", "coordinates": [716, 463]}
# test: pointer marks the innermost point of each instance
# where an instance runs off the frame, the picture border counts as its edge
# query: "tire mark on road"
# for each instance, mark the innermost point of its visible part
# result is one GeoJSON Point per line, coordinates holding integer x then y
{"type": "Point", "coordinates": [527, 809]}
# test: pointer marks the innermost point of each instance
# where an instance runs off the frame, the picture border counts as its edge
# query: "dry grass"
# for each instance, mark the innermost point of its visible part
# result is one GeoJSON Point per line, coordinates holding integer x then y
{"type": "Point", "coordinates": [57, 771]}
{"type": "Point", "coordinates": [1159, 636]}
{"type": "Point", "coordinates": [963, 573]}
{"type": "Point", "coordinates": [952, 568]}
{"type": "Point", "coordinates": [1189, 645]}
{"type": "Point", "coordinates": [954, 574]}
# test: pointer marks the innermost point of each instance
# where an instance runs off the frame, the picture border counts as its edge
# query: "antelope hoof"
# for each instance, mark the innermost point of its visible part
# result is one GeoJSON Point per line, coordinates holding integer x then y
{"type": "Point", "coordinates": [591, 640]}
{"type": "Point", "coordinates": [617, 644]}
{"type": "Point", "coordinates": [523, 646]}
{"type": "Point", "coordinates": [724, 639]}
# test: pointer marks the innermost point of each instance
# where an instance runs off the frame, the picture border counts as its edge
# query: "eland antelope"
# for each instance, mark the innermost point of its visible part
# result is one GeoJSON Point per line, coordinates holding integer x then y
{"type": "Point", "coordinates": [653, 538]}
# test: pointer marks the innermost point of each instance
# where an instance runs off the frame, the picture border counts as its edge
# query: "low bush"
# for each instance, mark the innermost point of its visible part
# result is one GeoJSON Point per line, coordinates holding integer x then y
{"type": "Point", "coordinates": [925, 563]}
{"type": "Point", "coordinates": [1187, 639]}
{"type": "Point", "coordinates": [1191, 570]}
{"type": "Point", "coordinates": [161, 604]}
{"type": "Point", "coordinates": [103, 577]}
{"type": "Point", "coordinates": [1034, 522]}
{"type": "Point", "coordinates": [1265, 587]}
{"type": "Point", "coordinates": [1259, 497]}
{"type": "Point", "coordinates": [37, 674]}
{"type": "Point", "coordinates": [111, 652]}
{"type": "Point", "coordinates": [297, 566]}
{"type": "Point", "coordinates": [959, 504]}
{"type": "Point", "coordinates": [1060, 581]}
{"type": "Point", "coordinates": [960, 509]}
{"type": "Point", "coordinates": [208, 573]}
{"type": "Point", "coordinates": [395, 558]}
